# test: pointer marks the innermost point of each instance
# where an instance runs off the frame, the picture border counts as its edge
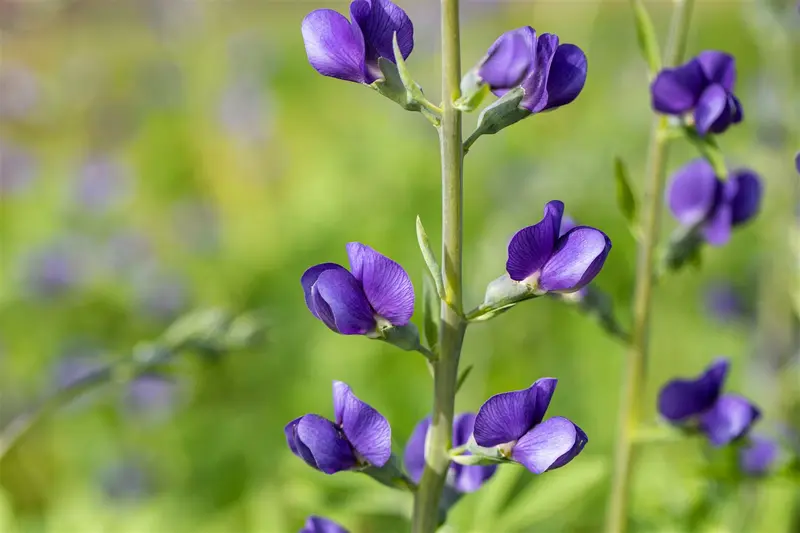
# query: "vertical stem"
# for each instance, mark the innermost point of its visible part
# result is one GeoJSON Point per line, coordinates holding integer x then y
{"type": "Point", "coordinates": [636, 363]}
{"type": "Point", "coordinates": [426, 503]}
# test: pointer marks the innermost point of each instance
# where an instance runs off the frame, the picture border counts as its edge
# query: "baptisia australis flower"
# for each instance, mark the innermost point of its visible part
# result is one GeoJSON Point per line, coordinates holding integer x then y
{"type": "Point", "coordinates": [375, 294]}
{"type": "Point", "coordinates": [460, 477]}
{"type": "Point", "coordinates": [699, 403]}
{"type": "Point", "coordinates": [512, 422]}
{"type": "Point", "coordinates": [758, 456]}
{"type": "Point", "coordinates": [359, 437]}
{"type": "Point", "coordinates": [703, 86]}
{"type": "Point", "coordinates": [697, 197]}
{"type": "Point", "coordinates": [319, 524]}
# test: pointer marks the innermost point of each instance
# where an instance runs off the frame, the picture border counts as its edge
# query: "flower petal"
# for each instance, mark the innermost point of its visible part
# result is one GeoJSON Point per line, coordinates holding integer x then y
{"type": "Point", "coordinates": [535, 84]}
{"type": "Point", "coordinates": [567, 223]}
{"type": "Point", "coordinates": [467, 479]}
{"type": "Point", "coordinates": [747, 200]}
{"type": "Point", "coordinates": [567, 76]}
{"type": "Point", "coordinates": [509, 59]}
{"type": "Point", "coordinates": [693, 192]}
{"type": "Point", "coordinates": [379, 20]}
{"type": "Point", "coordinates": [290, 431]}
{"type": "Point", "coordinates": [414, 453]}
{"type": "Point", "coordinates": [463, 424]}
{"type": "Point", "coordinates": [319, 524]}
{"type": "Point", "coordinates": [334, 46]}
{"type": "Point", "coordinates": [309, 278]}
{"type": "Point", "coordinates": [322, 445]}
{"type": "Point", "coordinates": [718, 67]}
{"type": "Point", "coordinates": [508, 416]}
{"type": "Point", "coordinates": [386, 285]}
{"type": "Point", "coordinates": [797, 162]}
{"type": "Point", "coordinates": [711, 107]}
{"type": "Point", "coordinates": [717, 231]}
{"type": "Point", "coordinates": [549, 445]}
{"type": "Point", "coordinates": [676, 90]}
{"type": "Point", "coordinates": [757, 458]}
{"type": "Point", "coordinates": [578, 258]}
{"type": "Point", "coordinates": [340, 303]}
{"type": "Point", "coordinates": [729, 419]}
{"type": "Point", "coordinates": [366, 429]}
{"type": "Point", "coordinates": [531, 247]}
{"type": "Point", "coordinates": [681, 399]}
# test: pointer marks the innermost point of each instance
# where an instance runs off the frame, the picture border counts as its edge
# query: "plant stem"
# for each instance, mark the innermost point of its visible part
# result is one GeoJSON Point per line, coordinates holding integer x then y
{"type": "Point", "coordinates": [437, 460]}
{"type": "Point", "coordinates": [636, 364]}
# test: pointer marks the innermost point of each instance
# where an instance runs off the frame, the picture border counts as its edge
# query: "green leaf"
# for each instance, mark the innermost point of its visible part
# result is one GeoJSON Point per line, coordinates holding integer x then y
{"type": "Point", "coordinates": [413, 88]}
{"type": "Point", "coordinates": [646, 36]}
{"type": "Point", "coordinates": [430, 313]}
{"type": "Point", "coordinates": [626, 201]}
{"type": "Point", "coordinates": [463, 377]}
{"type": "Point", "coordinates": [430, 259]}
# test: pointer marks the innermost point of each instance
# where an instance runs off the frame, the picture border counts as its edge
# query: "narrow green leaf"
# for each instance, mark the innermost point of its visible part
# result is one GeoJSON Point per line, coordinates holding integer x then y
{"type": "Point", "coordinates": [430, 313]}
{"type": "Point", "coordinates": [430, 258]}
{"type": "Point", "coordinates": [646, 35]}
{"type": "Point", "coordinates": [626, 201]}
{"type": "Point", "coordinates": [414, 90]}
{"type": "Point", "coordinates": [463, 377]}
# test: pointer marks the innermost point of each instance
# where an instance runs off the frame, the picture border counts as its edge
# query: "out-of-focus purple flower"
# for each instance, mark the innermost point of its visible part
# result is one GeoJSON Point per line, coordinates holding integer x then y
{"type": "Point", "coordinates": [797, 162]}
{"type": "Point", "coordinates": [55, 268]}
{"type": "Point", "coordinates": [374, 292]}
{"type": "Point", "coordinates": [699, 403]}
{"type": "Point", "coordinates": [547, 262]}
{"type": "Point", "coordinates": [19, 92]}
{"type": "Point", "coordinates": [151, 394]}
{"type": "Point", "coordinates": [462, 478]}
{"type": "Point", "coordinates": [160, 295]}
{"type": "Point", "coordinates": [319, 524]}
{"type": "Point", "coordinates": [512, 421]}
{"type": "Point", "coordinates": [17, 170]}
{"type": "Point", "coordinates": [196, 223]}
{"type": "Point", "coordinates": [726, 303]}
{"type": "Point", "coordinates": [758, 456]}
{"type": "Point", "coordinates": [696, 196]}
{"type": "Point", "coordinates": [127, 481]}
{"type": "Point", "coordinates": [101, 184]}
{"type": "Point", "coordinates": [350, 49]}
{"type": "Point", "coordinates": [551, 74]}
{"type": "Point", "coordinates": [360, 435]}
{"type": "Point", "coordinates": [243, 112]}
{"type": "Point", "coordinates": [128, 251]}
{"type": "Point", "coordinates": [704, 86]}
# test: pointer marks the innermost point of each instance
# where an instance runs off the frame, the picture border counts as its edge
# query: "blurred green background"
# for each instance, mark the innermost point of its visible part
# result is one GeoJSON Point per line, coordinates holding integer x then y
{"type": "Point", "coordinates": [160, 156]}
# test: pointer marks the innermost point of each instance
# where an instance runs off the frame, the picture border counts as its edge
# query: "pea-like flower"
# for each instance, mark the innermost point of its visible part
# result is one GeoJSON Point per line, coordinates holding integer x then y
{"type": "Point", "coordinates": [704, 85]}
{"type": "Point", "coordinates": [319, 524]}
{"type": "Point", "coordinates": [551, 74]}
{"type": "Point", "coordinates": [375, 293]}
{"type": "Point", "coordinates": [462, 478]}
{"type": "Point", "coordinates": [350, 49]}
{"type": "Point", "coordinates": [758, 456]}
{"type": "Point", "coordinates": [512, 421]}
{"type": "Point", "coordinates": [697, 196]}
{"type": "Point", "coordinates": [359, 437]}
{"type": "Point", "coordinates": [700, 403]}
{"type": "Point", "coordinates": [547, 262]}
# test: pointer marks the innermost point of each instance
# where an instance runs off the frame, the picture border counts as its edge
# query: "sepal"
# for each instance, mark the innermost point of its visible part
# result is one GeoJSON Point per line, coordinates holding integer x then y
{"type": "Point", "coordinates": [501, 295]}
{"type": "Point", "coordinates": [502, 113]}
{"type": "Point", "coordinates": [391, 475]}
{"type": "Point", "coordinates": [473, 91]}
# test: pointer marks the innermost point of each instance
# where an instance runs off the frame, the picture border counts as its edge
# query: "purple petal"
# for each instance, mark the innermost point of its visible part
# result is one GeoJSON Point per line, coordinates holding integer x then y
{"type": "Point", "coordinates": [578, 258]}
{"type": "Point", "coordinates": [737, 113]}
{"type": "Point", "coordinates": [711, 107]}
{"type": "Point", "coordinates": [309, 278]}
{"type": "Point", "coordinates": [414, 453]}
{"type": "Point", "coordinates": [386, 285]}
{"type": "Point", "coordinates": [509, 59]}
{"type": "Point", "coordinates": [508, 416]}
{"type": "Point", "coordinates": [676, 90]}
{"type": "Point", "coordinates": [340, 303]}
{"type": "Point", "coordinates": [366, 429]}
{"type": "Point", "coordinates": [719, 67]}
{"type": "Point", "coordinates": [797, 162]}
{"type": "Point", "coordinates": [757, 458]}
{"type": "Point", "coordinates": [549, 445]}
{"type": "Point", "coordinates": [567, 223]}
{"type": "Point", "coordinates": [290, 431]}
{"type": "Point", "coordinates": [334, 46]}
{"type": "Point", "coordinates": [567, 76]}
{"type": "Point", "coordinates": [379, 20]}
{"type": "Point", "coordinates": [535, 84]}
{"type": "Point", "coordinates": [747, 199]}
{"type": "Point", "coordinates": [319, 524]}
{"type": "Point", "coordinates": [717, 231]}
{"type": "Point", "coordinates": [681, 399]}
{"type": "Point", "coordinates": [463, 424]}
{"type": "Point", "coordinates": [693, 192]}
{"type": "Point", "coordinates": [467, 479]}
{"type": "Point", "coordinates": [322, 445]}
{"type": "Point", "coordinates": [729, 419]}
{"type": "Point", "coordinates": [531, 247]}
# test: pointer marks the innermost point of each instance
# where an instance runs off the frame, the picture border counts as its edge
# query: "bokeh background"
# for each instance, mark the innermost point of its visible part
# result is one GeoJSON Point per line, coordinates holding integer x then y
{"type": "Point", "coordinates": [160, 156]}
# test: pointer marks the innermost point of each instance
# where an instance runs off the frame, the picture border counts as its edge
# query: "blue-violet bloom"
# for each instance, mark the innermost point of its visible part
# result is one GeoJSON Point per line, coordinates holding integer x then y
{"type": "Point", "coordinates": [360, 436]}
{"type": "Point", "coordinates": [350, 49]}
{"type": "Point", "coordinates": [512, 421]}
{"type": "Point", "coordinates": [319, 524]}
{"type": "Point", "coordinates": [462, 478]}
{"type": "Point", "coordinates": [547, 262]}
{"type": "Point", "coordinates": [758, 456]}
{"type": "Point", "coordinates": [703, 85]}
{"type": "Point", "coordinates": [696, 196]}
{"type": "Point", "coordinates": [699, 403]}
{"type": "Point", "coordinates": [375, 293]}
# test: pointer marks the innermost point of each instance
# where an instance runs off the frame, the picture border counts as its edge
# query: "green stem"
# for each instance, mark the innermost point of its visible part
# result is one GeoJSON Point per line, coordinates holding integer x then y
{"type": "Point", "coordinates": [437, 459]}
{"type": "Point", "coordinates": [636, 364]}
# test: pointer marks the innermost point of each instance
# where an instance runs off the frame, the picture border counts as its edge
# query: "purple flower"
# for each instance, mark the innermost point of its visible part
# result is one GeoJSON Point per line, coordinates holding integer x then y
{"type": "Point", "coordinates": [19, 92]}
{"type": "Point", "coordinates": [127, 481]}
{"type": "Point", "coordinates": [547, 262]}
{"type": "Point", "coordinates": [513, 422]}
{"type": "Point", "coordinates": [551, 74]}
{"type": "Point", "coordinates": [151, 395]}
{"type": "Point", "coordinates": [53, 269]}
{"type": "Point", "coordinates": [797, 162]}
{"type": "Point", "coordinates": [699, 402]}
{"type": "Point", "coordinates": [375, 291]}
{"type": "Point", "coordinates": [757, 457]}
{"type": "Point", "coordinates": [17, 169]}
{"type": "Point", "coordinates": [360, 436]}
{"type": "Point", "coordinates": [349, 50]}
{"type": "Point", "coordinates": [319, 524]}
{"type": "Point", "coordinates": [697, 196]}
{"type": "Point", "coordinates": [461, 478]}
{"type": "Point", "coordinates": [703, 85]}
{"type": "Point", "coordinates": [101, 184]}
{"type": "Point", "coordinates": [726, 303]}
